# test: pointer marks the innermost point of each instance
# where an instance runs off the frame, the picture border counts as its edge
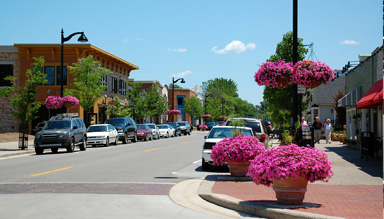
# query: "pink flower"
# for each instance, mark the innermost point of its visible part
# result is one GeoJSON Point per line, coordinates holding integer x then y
{"type": "Point", "coordinates": [70, 99]}
{"type": "Point", "coordinates": [239, 148]}
{"type": "Point", "coordinates": [206, 116]}
{"type": "Point", "coordinates": [290, 161]}
{"type": "Point", "coordinates": [203, 127]}
{"type": "Point", "coordinates": [170, 112]}
{"type": "Point", "coordinates": [53, 102]}
{"type": "Point", "coordinates": [305, 72]}
{"type": "Point", "coordinates": [272, 73]}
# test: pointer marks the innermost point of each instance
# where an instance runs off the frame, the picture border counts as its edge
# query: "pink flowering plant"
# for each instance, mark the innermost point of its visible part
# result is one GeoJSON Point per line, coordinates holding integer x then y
{"type": "Point", "coordinates": [171, 112]}
{"type": "Point", "coordinates": [239, 148]}
{"type": "Point", "coordinates": [290, 161]}
{"type": "Point", "coordinates": [203, 127]}
{"type": "Point", "coordinates": [222, 118]}
{"type": "Point", "coordinates": [70, 99]}
{"type": "Point", "coordinates": [306, 72]}
{"type": "Point", "coordinates": [206, 116]}
{"type": "Point", "coordinates": [53, 102]}
{"type": "Point", "coordinates": [272, 73]}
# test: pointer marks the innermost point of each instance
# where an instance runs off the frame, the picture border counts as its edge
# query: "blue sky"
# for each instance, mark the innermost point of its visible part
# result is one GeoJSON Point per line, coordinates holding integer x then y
{"type": "Point", "coordinates": [200, 40]}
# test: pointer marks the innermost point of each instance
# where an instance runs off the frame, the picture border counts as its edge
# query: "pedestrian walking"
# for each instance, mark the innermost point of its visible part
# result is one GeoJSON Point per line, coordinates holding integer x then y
{"type": "Point", "coordinates": [304, 124]}
{"type": "Point", "coordinates": [317, 125]}
{"type": "Point", "coordinates": [327, 131]}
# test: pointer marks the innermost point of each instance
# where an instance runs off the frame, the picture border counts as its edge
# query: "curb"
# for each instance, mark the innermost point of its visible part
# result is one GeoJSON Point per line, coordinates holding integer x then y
{"type": "Point", "coordinates": [16, 154]}
{"type": "Point", "coordinates": [261, 209]}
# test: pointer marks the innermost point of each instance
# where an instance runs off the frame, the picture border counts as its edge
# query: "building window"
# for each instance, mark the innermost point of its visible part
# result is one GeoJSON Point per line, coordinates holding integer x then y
{"type": "Point", "coordinates": [113, 85]}
{"type": "Point", "coordinates": [104, 82]}
{"type": "Point", "coordinates": [5, 70]}
{"type": "Point", "coordinates": [50, 72]}
{"type": "Point", "coordinates": [122, 87]}
{"type": "Point", "coordinates": [180, 101]}
{"type": "Point", "coordinates": [58, 75]}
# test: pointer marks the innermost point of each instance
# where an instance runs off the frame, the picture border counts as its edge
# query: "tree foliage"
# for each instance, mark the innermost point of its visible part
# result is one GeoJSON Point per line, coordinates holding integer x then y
{"type": "Point", "coordinates": [118, 109]}
{"type": "Point", "coordinates": [135, 95]}
{"type": "Point", "coordinates": [88, 84]}
{"type": "Point", "coordinates": [23, 99]}
{"type": "Point", "coordinates": [154, 102]}
{"type": "Point", "coordinates": [193, 107]}
{"type": "Point", "coordinates": [220, 86]}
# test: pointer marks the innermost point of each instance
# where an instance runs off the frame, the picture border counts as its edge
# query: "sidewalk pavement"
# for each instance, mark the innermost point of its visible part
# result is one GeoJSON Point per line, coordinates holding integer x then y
{"type": "Point", "coordinates": [8, 149]}
{"type": "Point", "coordinates": [355, 191]}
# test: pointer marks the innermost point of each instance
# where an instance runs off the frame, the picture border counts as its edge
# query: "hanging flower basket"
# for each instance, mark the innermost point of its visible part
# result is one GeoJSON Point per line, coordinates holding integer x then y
{"type": "Point", "coordinates": [274, 74]}
{"type": "Point", "coordinates": [222, 118]}
{"type": "Point", "coordinates": [237, 152]}
{"type": "Point", "coordinates": [53, 102]}
{"type": "Point", "coordinates": [311, 73]}
{"type": "Point", "coordinates": [203, 127]}
{"type": "Point", "coordinates": [70, 101]}
{"type": "Point", "coordinates": [206, 116]}
{"type": "Point", "coordinates": [173, 112]}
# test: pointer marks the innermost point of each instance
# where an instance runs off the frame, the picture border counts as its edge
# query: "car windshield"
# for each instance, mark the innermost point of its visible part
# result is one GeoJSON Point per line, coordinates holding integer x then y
{"type": "Point", "coordinates": [151, 126]}
{"type": "Point", "coordinates": [227, 132]}
{"type": "Point", "coordinates": [182, 123]}
{"type": "Point", "coordinates": [99, 128]}
{"type": "Point", "coordinates": [141, 127]}
{"type": "Point", "coordinates": [58, 125]}
{"type": "Point", "coordinates": [162, 126]}
{"type": "Point", "coordinates": [119, 122]}
{"type": "Point", "coordinates": [172, 124]}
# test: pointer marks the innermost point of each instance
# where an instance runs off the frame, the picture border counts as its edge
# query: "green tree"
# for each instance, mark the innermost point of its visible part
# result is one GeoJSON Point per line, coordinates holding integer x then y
{"type": "Point", "coordinates": [23, 99]}
{"type": "Point", "coordinates": [279, 101]}
{"type": "Point", "coordinates": [88, 84]}
{"type": "Point", "coordinates": [136, 97]}
{"type": "Point", "coordinates": [176, 86]}
{"type": "Point", "coordinates": [155, 104]}
{"type": "Point", "coordinates": [219, 86]}
{"type": "Point", "coordinates": [193, 107]}
{"type": "Point", "coordinates": [118, 109]}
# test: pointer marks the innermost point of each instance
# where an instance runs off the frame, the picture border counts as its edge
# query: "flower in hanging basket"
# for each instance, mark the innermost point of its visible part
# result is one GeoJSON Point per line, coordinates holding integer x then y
{"type": "Point", "coordinates": [171, 112]}
{"type": "Point", "coordinates": [53, 102]}
{"type": "Point", "coordinates": [206, 116]}
{"type": "Point", "coordinates": [290, 161]}
{"type": "Point", "coordinates": [203, 127]}
{"type": "Point", "coordinates": [307, 73]}
{"type": "Point", "coordinates": [274, 74]}
{"type": "Point", "coordinates": [73, 101]}
{"type": "Point", "coordinates": [239, 149]}
{"type": "Point", "coordinates": [222, 118]}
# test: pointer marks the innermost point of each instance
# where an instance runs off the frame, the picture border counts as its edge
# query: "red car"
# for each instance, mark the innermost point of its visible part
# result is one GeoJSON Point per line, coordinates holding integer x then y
{"type": "Point", "coordinates": [144, 132]}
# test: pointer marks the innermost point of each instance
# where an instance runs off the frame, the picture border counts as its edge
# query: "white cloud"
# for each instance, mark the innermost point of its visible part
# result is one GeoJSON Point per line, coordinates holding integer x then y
{"type": "Point", "coordinates": [177, 50]}
{"type": "Point", "coordinates": [125, 40]}
{"type": "Point", "coordinates": [350, 42]}
{"type": "Point", "coordinates": [182, 74]}
{"type": "Point", "coordinates": [235, 46]}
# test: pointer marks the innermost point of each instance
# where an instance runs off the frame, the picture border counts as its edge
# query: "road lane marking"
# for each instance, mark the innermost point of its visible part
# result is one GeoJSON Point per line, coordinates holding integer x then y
{"type": "Point", "coordinates": [39, 174]}
{"type": "Point", "coordinates": [150, 149]}
{"type": "Point", "coordinates": [198, 161]}
{"type": "Point", "coordinates": [184, 142]}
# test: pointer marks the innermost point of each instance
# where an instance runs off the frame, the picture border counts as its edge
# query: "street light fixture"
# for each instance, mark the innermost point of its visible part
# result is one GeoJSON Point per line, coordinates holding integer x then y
{"type": "Point", "coordinates": [173, 90]}
{"type": "Point", "coordinates": [81, 39]}
{"type": "Point", "coordinates": [205, 102]}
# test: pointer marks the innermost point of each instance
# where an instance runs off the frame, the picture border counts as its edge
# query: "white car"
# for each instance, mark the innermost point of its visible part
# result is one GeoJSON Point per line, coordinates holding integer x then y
{"type": "Point", "coordinates": [155, 130]}
{"type": "Point", "coordinates": [217, 134]}
{"type": "Point", "coordinates": [102, 134]}
{"type": "Point", "coordinates": [166, 130]}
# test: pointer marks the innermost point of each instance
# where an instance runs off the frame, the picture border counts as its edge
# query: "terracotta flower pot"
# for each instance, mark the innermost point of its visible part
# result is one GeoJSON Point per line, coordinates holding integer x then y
{"type": "Point", "coordinates": [334, 138]}
{"type": "Point", "coordinates": [289, 191]}
{"type": "Point", "coordinates": [67, 104]}
{"type": "Point", "coordinates": [238, 168]}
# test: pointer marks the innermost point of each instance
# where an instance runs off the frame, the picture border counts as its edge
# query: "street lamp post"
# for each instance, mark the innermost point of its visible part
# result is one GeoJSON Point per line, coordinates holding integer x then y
{"type": "Point", "coordinates": [173, 91]}
{"type": "Point", "coordinates": [82, 39]}
{"type": "Point", "coordinates": [205, 102]}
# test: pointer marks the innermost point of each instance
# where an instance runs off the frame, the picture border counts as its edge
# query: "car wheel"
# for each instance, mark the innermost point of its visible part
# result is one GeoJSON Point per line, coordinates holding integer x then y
{"type": "Point", "coordinates": [204, 165]}
{"type": "Point", "coordinates": [167, 135]}
{"type": "Point", "coordinates": [39, 150]}
{"type": "Point", "coordinates": [83, 145]}
{"type": "Point", "coordinates": [146, 138]}
{"type": "Point", "coordinates": [54, 150]}
{"type": "Point", "coordinates": [179, 133]}
{"type": "Point", "coordinates": [115, 143]}
{"type": "Point", "coordinates": [134, 138]}
{"type": "Point", "coordinates": [72, 146]}
{"type": "Point", "coordinates": [107, 142]}
{"type": "Point", "coordinates": [125, 139]}
{"type": "Point", "coordinates": [189, 133]}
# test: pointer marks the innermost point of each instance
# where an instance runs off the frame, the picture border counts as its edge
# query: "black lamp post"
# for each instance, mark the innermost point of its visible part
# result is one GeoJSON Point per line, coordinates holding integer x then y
{"type": "Point", "coordinates": [205, 102]}
{"type": "Point", "coordinates": [222, 106]}
{"type": "Point", "coordinates": [173, 91]}
{"type": "Point", "coordinates": [82, 39]}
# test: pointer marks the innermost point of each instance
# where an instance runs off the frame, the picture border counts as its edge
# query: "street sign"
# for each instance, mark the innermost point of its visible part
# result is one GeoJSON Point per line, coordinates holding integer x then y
{"type": "Point", "coordinates": [300, 89]}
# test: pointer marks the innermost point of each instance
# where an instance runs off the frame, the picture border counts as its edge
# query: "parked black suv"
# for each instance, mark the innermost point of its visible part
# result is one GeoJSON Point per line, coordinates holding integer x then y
{"type": "Point", "coordinates": [126, 128]}
{"type": "Point", "coordinates": [185, 127]}
{"type": "Point", "coordinates": [62, 131]}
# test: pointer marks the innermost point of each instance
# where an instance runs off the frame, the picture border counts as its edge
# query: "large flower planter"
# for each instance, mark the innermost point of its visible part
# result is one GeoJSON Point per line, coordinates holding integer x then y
{"type": "Point", "coordinates": [334, 138]}
{"type": "Point", "coordinates": [238, 168]}
{"type": "Point", "coordinates": [289, 191]}
{"type": "Point", "coordinates": [343, 138]}
{"type": "Point", "coordinates": [68, 105]}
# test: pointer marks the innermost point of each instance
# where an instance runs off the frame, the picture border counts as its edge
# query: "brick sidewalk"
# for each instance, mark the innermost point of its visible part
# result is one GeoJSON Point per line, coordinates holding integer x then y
{"type": "Point", "coordinates": [347, 201]}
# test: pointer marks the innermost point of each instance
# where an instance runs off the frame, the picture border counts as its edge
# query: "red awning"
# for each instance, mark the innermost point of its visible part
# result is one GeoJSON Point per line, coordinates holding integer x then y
{"type": "Point", "coordinates": [373, 97]}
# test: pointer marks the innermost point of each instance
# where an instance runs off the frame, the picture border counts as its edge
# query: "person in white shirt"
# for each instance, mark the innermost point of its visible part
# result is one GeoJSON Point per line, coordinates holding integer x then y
{"type": "Point", "coordinates": [327, 131]}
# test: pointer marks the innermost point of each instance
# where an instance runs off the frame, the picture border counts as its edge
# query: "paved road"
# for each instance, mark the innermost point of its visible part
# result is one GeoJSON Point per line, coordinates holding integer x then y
{"type": "Point", "coordinates": [124, 181]}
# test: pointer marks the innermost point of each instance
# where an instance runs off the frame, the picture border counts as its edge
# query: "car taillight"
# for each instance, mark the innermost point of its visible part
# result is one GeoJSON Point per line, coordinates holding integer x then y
{"type": "Point", "coordinates": [208, 145]}
{"type": "Point", "coordinates": [263, 137]}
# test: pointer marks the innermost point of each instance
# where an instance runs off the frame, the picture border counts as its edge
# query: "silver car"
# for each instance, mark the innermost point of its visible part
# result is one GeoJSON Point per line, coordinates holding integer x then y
{"type": "Point", "coordinates": [155, 130]}
{"type": "Point", "coordinates": [217, 134]}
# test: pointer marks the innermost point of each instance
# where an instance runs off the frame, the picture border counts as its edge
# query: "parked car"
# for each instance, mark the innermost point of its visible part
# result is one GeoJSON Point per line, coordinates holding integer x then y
{"type": "Point", "coordinates": [144, 132]}
{"type": "Point", "coordinates": [210, 125]}
{"type": "Point", "coordinates": [166, 130]}
{"type": "Point", "coordinates": [155, 130]}
{"type": "Point", "coordinates": [221, 123]}
{"type": "Point", "coordinates": [62, 131]}
{"type": "Point", "coordinates": [185, 127]}
{"type": "Point", "coordinates": [102, 134]}
{"type": "Point", "coordinates": [257, 126]}
{"type": "Point", "coordinates": [126, 128]}
{"type": "Point", "coordinates": [217, 134]}
{"type": "Point", "coordinates": [175, 126]}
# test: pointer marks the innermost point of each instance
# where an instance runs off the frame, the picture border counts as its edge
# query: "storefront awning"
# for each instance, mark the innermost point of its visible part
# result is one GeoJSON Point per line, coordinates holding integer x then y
{"type": "Point", "coordinates": [373, 97]}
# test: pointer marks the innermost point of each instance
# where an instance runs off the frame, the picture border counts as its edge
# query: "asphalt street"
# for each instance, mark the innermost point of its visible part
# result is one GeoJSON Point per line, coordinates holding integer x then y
{"type": "Point", "coordinates": [126, 181]}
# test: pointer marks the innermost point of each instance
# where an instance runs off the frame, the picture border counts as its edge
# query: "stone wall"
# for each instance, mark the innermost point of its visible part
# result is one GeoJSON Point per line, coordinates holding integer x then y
{"type": "Point", "coordinates": [8, 55]}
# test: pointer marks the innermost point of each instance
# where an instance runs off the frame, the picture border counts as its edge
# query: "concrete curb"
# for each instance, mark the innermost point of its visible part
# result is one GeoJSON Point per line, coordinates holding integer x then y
{"type": "Point", "coordinates": [16, 154]}
{"type": "Point", "coordinates": [261, 209]}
